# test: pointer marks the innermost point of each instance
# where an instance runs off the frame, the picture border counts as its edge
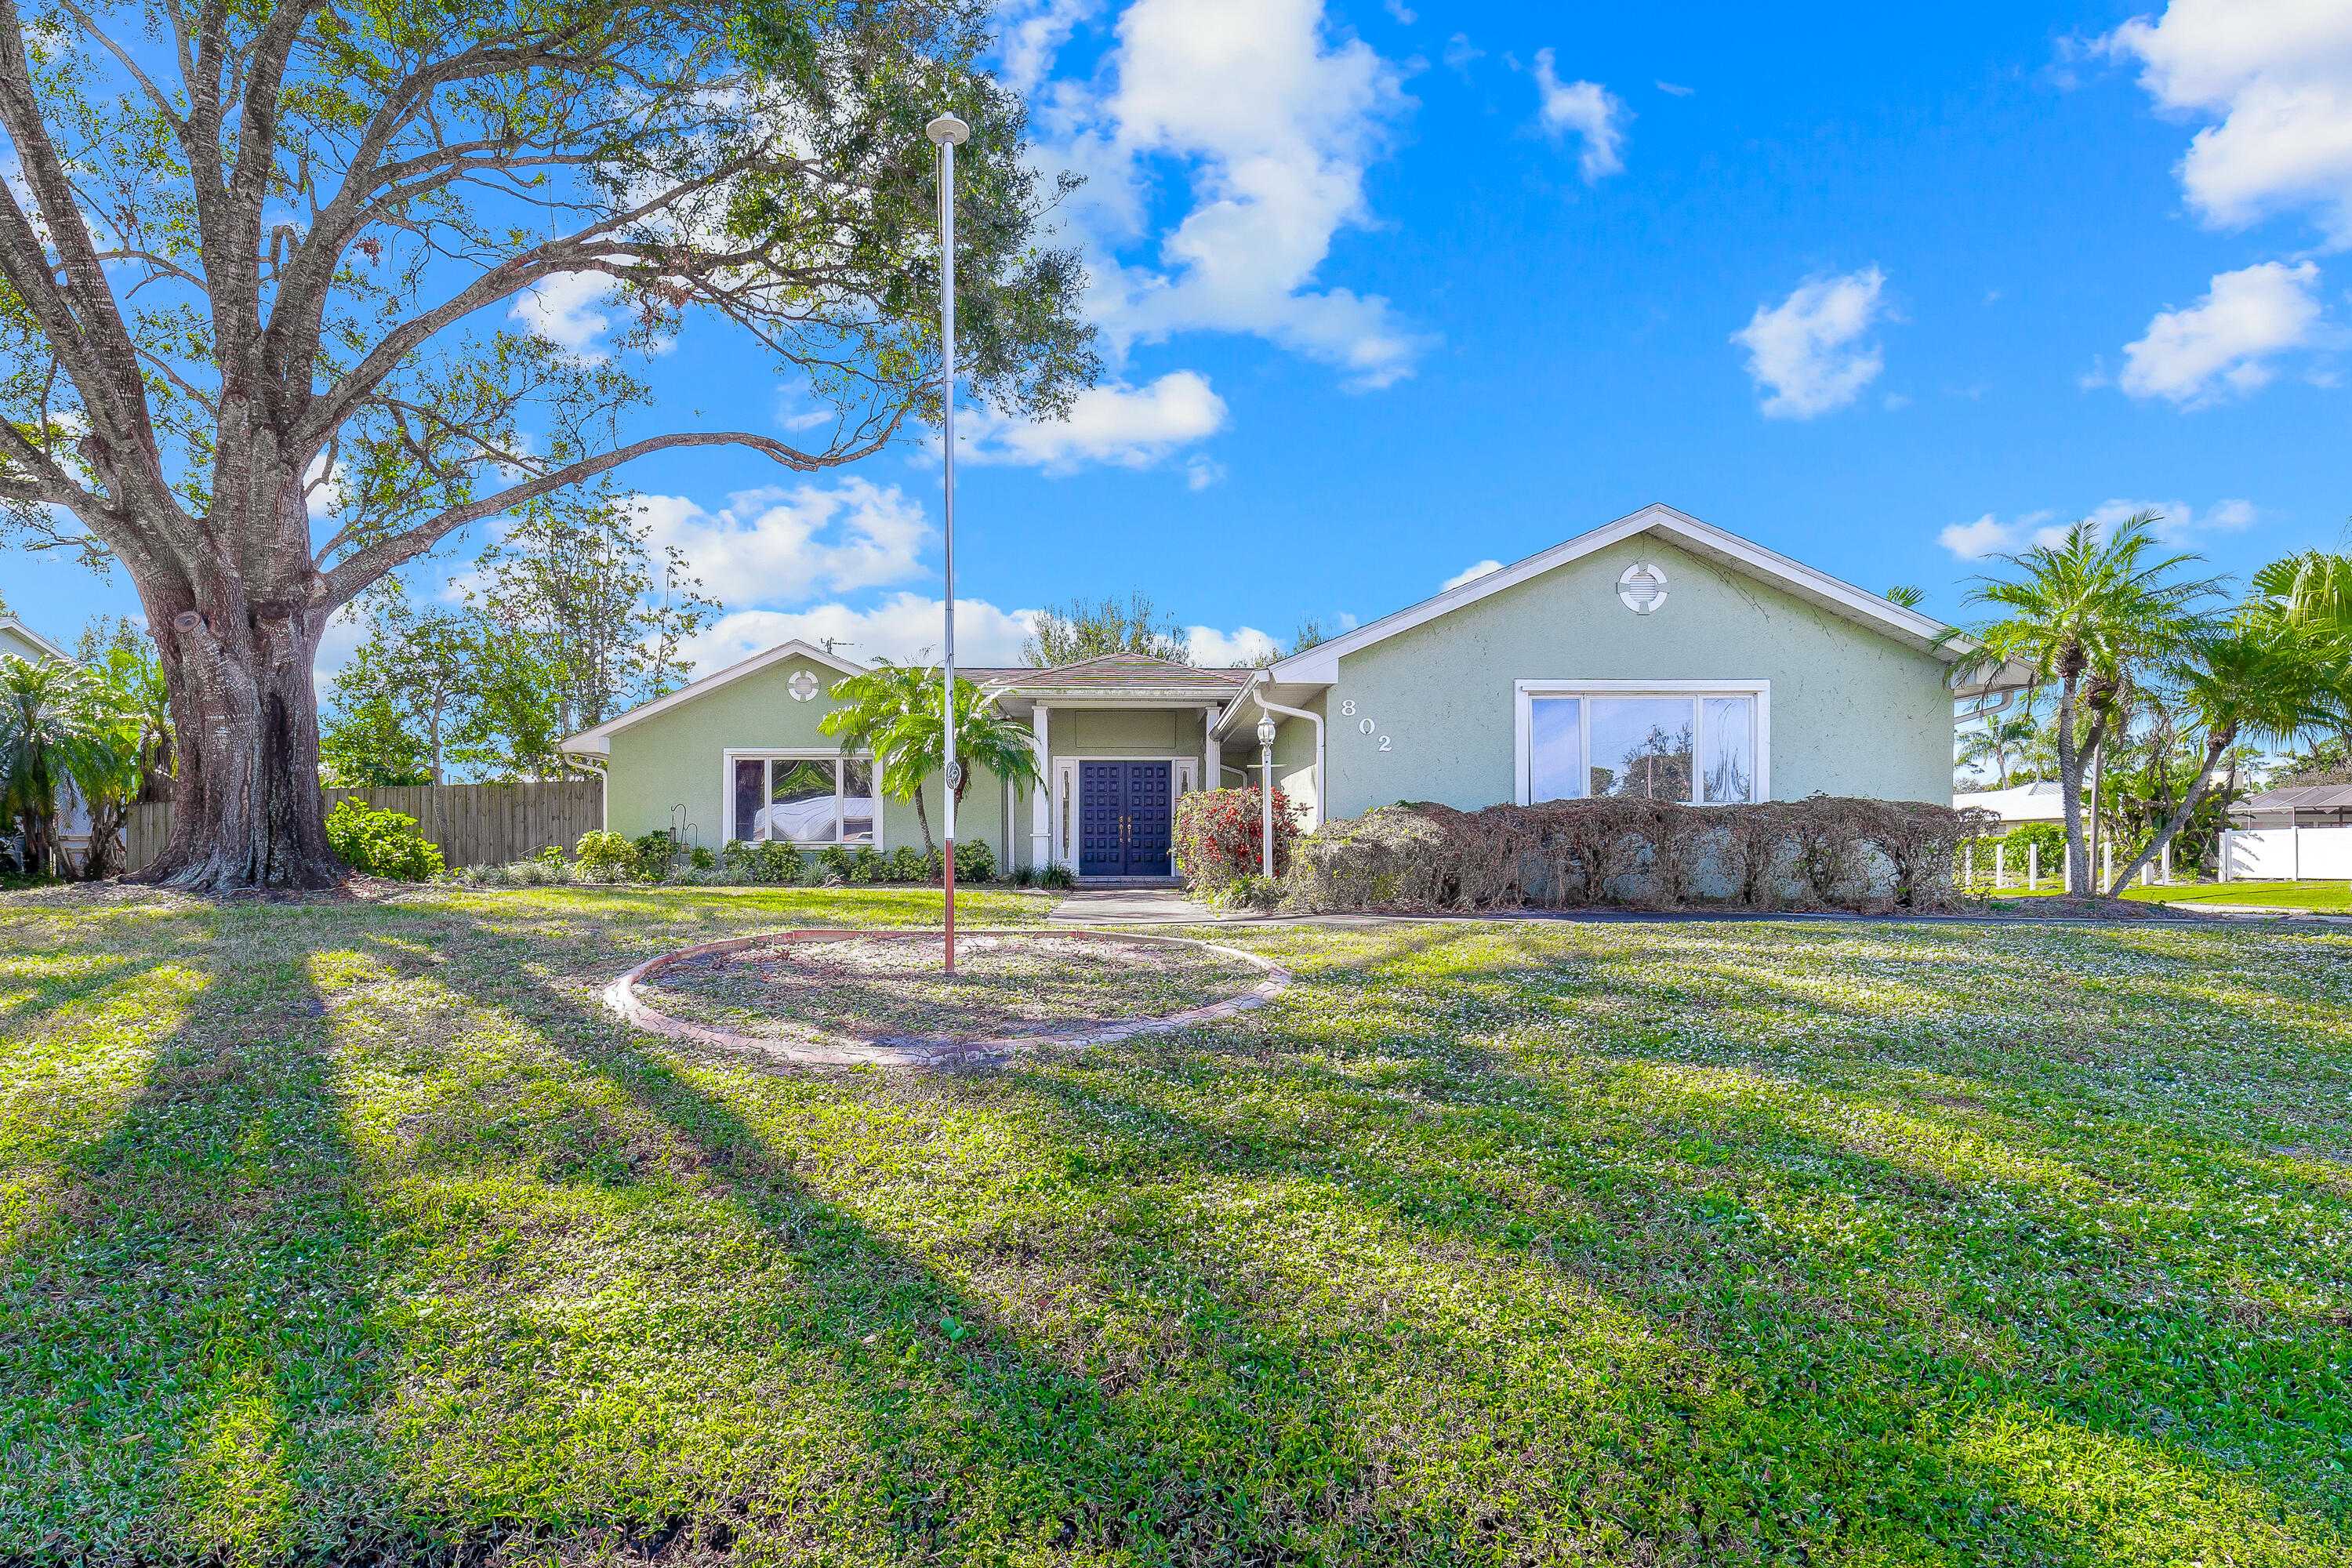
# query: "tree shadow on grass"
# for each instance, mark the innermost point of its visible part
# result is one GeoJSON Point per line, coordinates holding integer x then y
{"type": "Point", "coordinates": [188, 1359]}
{"type": "Point", "coordinates": [1845, 1380]}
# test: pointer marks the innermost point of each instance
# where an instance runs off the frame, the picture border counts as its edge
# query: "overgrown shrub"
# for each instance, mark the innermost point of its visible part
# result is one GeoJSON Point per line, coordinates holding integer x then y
{"type": "Point", "coordinates": [381, 843]}
{"type": "Point", "coordinates": [604, 856]}
{"type": "Point", "coordinates": [654, 853]}
{"type": "Point", "coordinates": [908, 864]}
{"type": "Point", "coordinates": [1661, 854]}
{"type": "Point", "coordinates": [1219, 835]}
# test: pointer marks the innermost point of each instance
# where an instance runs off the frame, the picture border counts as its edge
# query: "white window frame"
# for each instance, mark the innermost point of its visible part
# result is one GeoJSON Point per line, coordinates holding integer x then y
{"type": "Point", "coordinates": [1524, 692]}
{"type": "Point", "coordinates": [734, 754]}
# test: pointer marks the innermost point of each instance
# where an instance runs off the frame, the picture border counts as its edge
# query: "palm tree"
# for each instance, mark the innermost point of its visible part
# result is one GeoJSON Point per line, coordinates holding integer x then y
{"type": "Point", "coordinates": [2261, 676]}
{"type": "Point", "coordinates": [2313, 590]}
{"type": "Point", "coordinates": [1997, 741]}
{"type": "Point", "coordinates": [894, 711]}
{"type": "Point", "coordinates": [49, 731]}
{"type": "Point", "coordinates": [2090, 613]}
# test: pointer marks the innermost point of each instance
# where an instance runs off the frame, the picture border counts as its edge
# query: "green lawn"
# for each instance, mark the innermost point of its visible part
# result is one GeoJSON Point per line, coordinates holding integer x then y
{"type": "Point", "coordinates": [2319, 898]}
{"type": "Point", "coordinates": [333, 1227]}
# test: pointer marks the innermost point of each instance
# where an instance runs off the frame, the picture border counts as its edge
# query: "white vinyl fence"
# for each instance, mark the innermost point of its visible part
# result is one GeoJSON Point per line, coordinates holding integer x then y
{"type": "Point", "coordinates": [2286, 855]}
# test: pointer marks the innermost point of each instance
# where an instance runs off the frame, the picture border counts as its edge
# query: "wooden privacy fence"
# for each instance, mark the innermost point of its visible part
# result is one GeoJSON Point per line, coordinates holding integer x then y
{"type": "Point", "coordinates": [474, 824]}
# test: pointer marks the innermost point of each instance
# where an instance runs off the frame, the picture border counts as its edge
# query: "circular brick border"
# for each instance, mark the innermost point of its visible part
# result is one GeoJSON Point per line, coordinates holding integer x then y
{"type": "Point", "coordinates": [622, 996]}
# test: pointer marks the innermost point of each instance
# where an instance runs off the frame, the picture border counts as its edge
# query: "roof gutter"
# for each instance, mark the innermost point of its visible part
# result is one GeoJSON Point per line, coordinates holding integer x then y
{"type": "Point", "coordinates": [1257, 695]}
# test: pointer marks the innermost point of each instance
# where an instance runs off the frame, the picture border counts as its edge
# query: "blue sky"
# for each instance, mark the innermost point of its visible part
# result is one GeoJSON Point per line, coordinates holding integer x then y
{"type": "Point", "coordinates": [1393, 290]}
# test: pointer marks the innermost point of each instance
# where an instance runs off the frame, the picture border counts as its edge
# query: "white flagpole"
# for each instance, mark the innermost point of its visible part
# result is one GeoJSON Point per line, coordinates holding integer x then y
{"type": "Point", "coordinates": [947, 133]}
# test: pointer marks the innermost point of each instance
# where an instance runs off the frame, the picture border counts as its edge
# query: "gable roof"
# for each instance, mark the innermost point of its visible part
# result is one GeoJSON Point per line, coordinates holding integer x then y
{"type": "Point", "coordinates": [1113, 675]}
{"type": "Point", "coordinates": [1320, 665]}
{"type": "Point", "coordinates": [12, 625]}
{"type": "Point", "coordinates": [597, 740]}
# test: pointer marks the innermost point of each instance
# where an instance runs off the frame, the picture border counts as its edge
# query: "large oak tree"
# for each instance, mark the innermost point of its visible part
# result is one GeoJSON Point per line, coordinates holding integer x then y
{"type": "Point", "coordinates": [259, 271]}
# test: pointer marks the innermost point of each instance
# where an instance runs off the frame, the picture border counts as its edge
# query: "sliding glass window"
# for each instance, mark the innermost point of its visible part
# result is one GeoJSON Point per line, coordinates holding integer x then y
{"type": "Point", "coordinates": [1701, 747]}
{"type": "Point", "coordinates": [805, 800]}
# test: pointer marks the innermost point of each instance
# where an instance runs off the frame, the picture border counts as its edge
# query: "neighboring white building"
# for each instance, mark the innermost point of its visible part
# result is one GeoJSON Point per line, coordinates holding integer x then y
{"type": "Point", "coordinates": [2041, 801]}
{"type": "Point", "coordinates": [2303, 806]}
{"type": "Point", "coordinates": [22, 640]}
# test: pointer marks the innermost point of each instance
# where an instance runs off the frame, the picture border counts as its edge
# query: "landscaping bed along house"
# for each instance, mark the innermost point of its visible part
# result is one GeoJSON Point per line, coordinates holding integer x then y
{"type": "Point", "coordinates": [342, 1231]}
{"type": "Point", "coordinates": [1819, 853]}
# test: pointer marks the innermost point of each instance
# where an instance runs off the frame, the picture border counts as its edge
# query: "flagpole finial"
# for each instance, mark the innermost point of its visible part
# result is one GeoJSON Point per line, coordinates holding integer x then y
{"type": "Point", "coordinates": [948, 130]}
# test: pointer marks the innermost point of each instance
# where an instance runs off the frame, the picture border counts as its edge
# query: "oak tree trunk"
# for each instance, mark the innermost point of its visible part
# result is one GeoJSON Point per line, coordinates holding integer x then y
{"type": "Point", "coordinates": [248, 811]}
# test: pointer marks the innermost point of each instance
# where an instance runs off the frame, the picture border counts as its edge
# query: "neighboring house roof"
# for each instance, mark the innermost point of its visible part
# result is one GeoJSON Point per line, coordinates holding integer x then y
{"type": "Point", "coordinates": [597, 741]}
{"type": "Point", "coordinates": [14, 627]}
{"type": "Point", "coordinates": [2324, 799]}
{"type": "Point", "coordinates": [1320, 665]}
{"type": "Point", "coordinates": [2043, 799]}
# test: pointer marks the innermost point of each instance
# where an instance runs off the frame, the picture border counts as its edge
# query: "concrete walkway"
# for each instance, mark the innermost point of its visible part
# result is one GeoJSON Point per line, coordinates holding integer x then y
{"type": "Point", "coordinates": [1131, 906]}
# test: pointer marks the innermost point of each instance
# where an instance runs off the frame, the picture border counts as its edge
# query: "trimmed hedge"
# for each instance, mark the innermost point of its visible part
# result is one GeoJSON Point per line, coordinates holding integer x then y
{"type": "Point", "coordinates": [1821, 852]}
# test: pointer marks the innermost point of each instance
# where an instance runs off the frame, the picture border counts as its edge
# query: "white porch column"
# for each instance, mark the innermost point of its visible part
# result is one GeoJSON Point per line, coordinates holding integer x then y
{"type": "Point", "coordinates": [1041, 826]}
{"type": "Point", "coordinates": [1213, 754]}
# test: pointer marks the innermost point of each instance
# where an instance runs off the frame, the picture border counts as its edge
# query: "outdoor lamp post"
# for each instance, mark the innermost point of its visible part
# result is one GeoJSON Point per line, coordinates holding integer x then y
{"type": "Point", "coordinates": [1265, 795]}
{"type": "Point", "coordinates": [947, 133]}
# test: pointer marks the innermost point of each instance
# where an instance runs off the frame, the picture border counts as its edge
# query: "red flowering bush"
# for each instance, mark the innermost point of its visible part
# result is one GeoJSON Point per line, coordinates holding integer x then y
{"type": "Point", "coordinates": [1219, 831]}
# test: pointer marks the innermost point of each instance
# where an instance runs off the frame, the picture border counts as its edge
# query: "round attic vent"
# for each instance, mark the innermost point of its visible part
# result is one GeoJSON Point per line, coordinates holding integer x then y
{"type": "Point", "coordinates": [1643, 588]}
{"type": "Point", "coordinates": [803, 686]}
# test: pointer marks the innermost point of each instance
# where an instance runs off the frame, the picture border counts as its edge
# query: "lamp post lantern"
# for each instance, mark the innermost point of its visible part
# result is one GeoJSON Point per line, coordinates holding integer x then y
{"type": "Point", "coordinates": [1266, 732]}
{"type": "Point", "coordinates": [947, 133]}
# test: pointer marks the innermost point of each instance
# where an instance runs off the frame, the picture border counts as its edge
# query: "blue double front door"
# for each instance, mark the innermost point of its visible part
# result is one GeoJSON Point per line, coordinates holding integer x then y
{"type": "Point", "coordinates": [1123, 819]}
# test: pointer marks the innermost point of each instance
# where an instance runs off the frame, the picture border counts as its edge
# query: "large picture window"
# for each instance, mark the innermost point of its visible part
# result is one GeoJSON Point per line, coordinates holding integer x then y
{"type": "Point", "coordinates": [803, 800]}
{"type": "Point", "coordinates": [1700, 741]}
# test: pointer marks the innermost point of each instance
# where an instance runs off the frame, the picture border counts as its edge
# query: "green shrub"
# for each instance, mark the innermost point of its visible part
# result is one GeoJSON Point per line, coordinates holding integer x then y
{"type": "Point", "coordinates": [381, 843]}
{"type": "Point", "coordinates": [605, 857]}
{"type": "Point", "coordinates": [652, 854]}
{"type": "Point", "coordinates": [908, 864]}
{"type": "Point", "coordinates": [551, 854]}
{"type": "Point", "coordinates": [975, 861]}
{"type": "Point", "coordinates": [865, 865]}
{"type": "Point", "coordinates": [701, 858]}
{"type": "Point", "coordinates": [1057, 878]}
{"type": "Point", "coordinates": [834, 861]}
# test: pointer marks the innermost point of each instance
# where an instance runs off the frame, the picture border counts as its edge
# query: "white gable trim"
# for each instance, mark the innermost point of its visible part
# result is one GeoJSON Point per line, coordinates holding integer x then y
{"type": "Point", "coordinates": [38, 640]}
{"type": "Point", "coordinates": [598, 741]}
{"type": "Point", "coordinates": [1320, 665]}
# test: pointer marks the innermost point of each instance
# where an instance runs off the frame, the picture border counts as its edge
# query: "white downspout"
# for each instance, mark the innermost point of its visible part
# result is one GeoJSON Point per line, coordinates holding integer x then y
{"type": "Point", "coordinates": [1322, 781]}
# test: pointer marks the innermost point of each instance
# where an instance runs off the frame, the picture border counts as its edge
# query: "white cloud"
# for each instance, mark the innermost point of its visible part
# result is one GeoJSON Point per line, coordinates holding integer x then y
{"type": "Point", "coordinates": [1585, 109]}
{"type": "Point", "coordinates": [2179, 523]}
{"type": "Point", "coordinates": [1202, 471]}
{"type": "Point", "coordinates": [1131, 426]}
{"type": "Point", "coordinates": [1676, 89]}
{"type": "Point", "coordinates": [1472, 573]}
{"type": "Point", "coordinates": [565, 310]}
{"type": "Point", "coordinates": [2278, 79]}
{"type": "Point", "coordinates": [2220, 345]}
{"type": "Point", "coordinates": [1267, 127]}
{"type": "Point", "coordinates": [1219, 649]}
{"type": "Point", "coordinates": [1807, 349]}
{"type": "Point", "coordinates": [1459, 52]}
{"type": "Point", "coordinates": [903, 627]}
{"type": "Point", "coordinates": [1402, 12]}
{"type": "Point", "coordinates": [791, 545]}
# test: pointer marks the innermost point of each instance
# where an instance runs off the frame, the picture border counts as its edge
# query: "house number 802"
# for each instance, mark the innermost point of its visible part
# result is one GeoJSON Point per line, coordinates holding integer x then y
{"type": "Point", "coordinates": [1364, 726]}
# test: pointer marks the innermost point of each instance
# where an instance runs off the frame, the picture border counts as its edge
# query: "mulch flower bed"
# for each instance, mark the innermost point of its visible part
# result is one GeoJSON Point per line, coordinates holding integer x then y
{"type": "Point", "coordinates": [895, 991]}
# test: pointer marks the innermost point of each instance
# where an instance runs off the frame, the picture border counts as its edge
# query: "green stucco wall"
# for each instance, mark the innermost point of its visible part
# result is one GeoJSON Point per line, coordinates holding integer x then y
{"type": "Point", "coordinates": [1852, 713]}
{"type": "Point", "coordinates": [679, 757]}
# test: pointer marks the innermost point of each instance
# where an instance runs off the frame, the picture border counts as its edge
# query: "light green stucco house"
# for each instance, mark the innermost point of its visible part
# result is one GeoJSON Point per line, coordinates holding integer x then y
{"type": "Point", "coordinates": [1658, 655]}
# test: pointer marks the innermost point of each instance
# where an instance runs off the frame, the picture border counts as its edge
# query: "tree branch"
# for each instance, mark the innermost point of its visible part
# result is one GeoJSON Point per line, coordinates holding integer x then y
{"type": "Point", "coordinates": [372, 562]}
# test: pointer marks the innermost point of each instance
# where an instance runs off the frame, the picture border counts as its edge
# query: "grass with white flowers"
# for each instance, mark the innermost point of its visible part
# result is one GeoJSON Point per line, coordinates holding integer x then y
{"type": "Point", "coordinates": [335, 1228]}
